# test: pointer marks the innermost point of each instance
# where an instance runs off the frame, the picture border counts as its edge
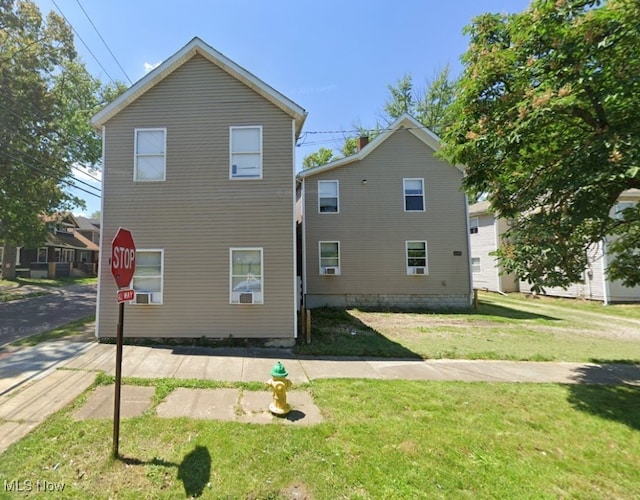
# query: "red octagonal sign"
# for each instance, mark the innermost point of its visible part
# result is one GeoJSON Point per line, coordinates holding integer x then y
{"type": "Point", "coordinates": [123, 257]}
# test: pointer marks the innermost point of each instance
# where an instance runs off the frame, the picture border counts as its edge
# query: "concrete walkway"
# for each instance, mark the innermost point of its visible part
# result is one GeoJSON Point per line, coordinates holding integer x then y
{"type": "Point", "coordinates": [68, 369]}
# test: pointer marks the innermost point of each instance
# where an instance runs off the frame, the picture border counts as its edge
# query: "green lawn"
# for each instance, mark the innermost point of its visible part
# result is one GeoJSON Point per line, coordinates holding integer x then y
{"type": "Point", "coordinates": [515, 327]}
{"type": "Point", "coordinates": [22, 288]}
{"type": "Point", "coordinates": [380, 439]}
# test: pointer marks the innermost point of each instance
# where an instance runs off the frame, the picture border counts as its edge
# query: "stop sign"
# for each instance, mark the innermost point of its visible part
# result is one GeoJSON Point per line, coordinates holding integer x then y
{"type": "Point", "coordinates": [123, 257]}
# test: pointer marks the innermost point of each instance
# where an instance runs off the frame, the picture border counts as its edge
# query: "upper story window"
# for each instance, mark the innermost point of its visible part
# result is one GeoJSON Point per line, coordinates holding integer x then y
{"type": "Point", "coordinates": [474, 224]}
{"type": "Point", "coordinates": [246, 152]}
{"type": "Point", "coordinates": [413, 195]}
{"type": "Point", "coordinates": [328, 195]}
{"type": "Point", "coordinates": [150, 154]}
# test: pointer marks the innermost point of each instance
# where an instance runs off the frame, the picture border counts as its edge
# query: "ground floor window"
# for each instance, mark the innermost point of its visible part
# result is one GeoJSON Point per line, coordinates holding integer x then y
{"type": "Point", "coordinates": [329, 257]}
{"type": "Point", "coordinates": [475, 265]}
{"type": "Point", "coordinates": [246, 276]}
{"type": "Point", "coordinates": [43, 255]}
{"type": "Point", "coordinates": [148, 278]}
{"type": "Point", "coordinates": [416, 258]}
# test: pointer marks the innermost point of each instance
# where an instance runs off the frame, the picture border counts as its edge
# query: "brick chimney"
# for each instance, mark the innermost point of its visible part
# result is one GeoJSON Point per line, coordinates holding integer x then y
{"type": "Point", "coordinates": [363, 140]}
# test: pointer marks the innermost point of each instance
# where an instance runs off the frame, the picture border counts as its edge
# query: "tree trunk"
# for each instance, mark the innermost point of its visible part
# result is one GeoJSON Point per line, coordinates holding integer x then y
{"type": "Point", "coordinates": [9, 261]}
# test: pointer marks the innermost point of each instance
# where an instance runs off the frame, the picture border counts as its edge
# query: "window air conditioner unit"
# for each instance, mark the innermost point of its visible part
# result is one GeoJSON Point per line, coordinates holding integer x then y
{"type": "Point", "coordinates": [331, 271]}
{"type": "Point", "coordinates": [419, 271]}
{"type": "Point", "coordinates": [245, 298]}
{"type": "Point", "coordinates": [143, 298]}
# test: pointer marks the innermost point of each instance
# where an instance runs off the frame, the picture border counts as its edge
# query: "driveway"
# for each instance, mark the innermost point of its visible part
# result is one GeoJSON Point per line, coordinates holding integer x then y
{"type": "Point", "coordinates": [26, 317]}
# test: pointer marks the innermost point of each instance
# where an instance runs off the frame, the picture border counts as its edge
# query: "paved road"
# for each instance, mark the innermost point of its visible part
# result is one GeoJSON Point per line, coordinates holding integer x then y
{"type": "Point", "coordinates": [26, 317]}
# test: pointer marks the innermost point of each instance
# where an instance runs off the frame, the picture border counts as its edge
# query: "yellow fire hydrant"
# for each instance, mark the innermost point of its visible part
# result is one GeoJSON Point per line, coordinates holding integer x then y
{"type": "Point", "coordinates": [279, 384]}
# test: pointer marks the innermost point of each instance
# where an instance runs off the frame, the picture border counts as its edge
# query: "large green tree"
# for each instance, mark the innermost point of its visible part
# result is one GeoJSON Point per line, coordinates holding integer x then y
{"type": "Point", "coordinates": [429, 104]}
{"type": "Point", "coordinates": [547, 123]}
{"type": "Point", "coordinates": [46, 99]}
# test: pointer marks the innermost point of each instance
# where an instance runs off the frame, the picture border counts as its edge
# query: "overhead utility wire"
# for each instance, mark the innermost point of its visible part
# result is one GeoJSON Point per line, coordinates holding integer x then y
{"type": "Point", "coordinates": [83, 42]}
{"type": "Point", "coordinates": [77, 141]}
{"type": "Point", "coordinates": [104, 42]}
{"type": "Point", "coordinates": [57, 173]}
{"type": "Point", "coordinates": [42, 171]}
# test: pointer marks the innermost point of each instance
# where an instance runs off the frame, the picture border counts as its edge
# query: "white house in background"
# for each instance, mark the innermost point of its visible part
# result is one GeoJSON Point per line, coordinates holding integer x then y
{"type": "Point", "coordinates": [485, 236]}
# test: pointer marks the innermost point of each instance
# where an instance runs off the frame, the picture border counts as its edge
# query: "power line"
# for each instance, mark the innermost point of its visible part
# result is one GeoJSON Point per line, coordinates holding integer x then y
{"type": "Point", "coordinates": [83, 42]}
{"type": "Point", "coordinates": [45, 173]}
{"type": "Point", "coordinates": [104, 42]}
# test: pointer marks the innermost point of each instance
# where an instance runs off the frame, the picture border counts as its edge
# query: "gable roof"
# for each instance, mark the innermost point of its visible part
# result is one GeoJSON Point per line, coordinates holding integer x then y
{"type": "Point", "coordinates": [405, 122]}
{"type": "Point", "coordinates": [194, 47]}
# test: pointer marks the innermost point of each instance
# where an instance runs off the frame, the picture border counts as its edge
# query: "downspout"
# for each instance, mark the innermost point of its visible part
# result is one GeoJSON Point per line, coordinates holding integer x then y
{"type": "Point", "coordinates": [496, 237]}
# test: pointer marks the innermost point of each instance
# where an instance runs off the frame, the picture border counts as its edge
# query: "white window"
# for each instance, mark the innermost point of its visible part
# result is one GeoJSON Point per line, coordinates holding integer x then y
{"type": "Point", "coordinates": [413, 195]}
{"type": "Point", "coordinates": [620, 207]}
{"type": "Point", "coordinates": [474, 224]}
{"type": "Point", "coordinates": [328, 195]}
{"type": "Point", "coordinates": [475, 265]}
{"type": "Point", "coordinates": [246, 152]}
{"type": "Point", "coordinates": [330, 258]}
{"type": "Point", "coordinates": [42, 254]}
{"type": "Point", "coordinates": [150, 153]}
{"type": "Point", "coordinates": [67, 255]}
{"type": "Point", "coordinates": [246, 276]}
{"type": "Point", "coordinates": [416, 258]}
{"type": "Point", "coordinates": [148, 278]}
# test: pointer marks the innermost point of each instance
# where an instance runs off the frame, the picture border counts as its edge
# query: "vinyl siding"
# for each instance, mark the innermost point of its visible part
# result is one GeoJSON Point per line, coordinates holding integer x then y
{"type": "Point", "coordinates": [484, 242]}
{"type": "Point", "coordinates": [372, 226]}
{"type": "Point", "coordinates": [198, 213]}
{"type": "Point", "coordinates": [591, 288]}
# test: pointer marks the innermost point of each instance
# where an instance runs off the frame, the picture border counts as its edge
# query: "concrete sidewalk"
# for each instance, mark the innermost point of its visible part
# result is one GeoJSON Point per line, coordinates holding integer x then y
{"type": "Point", "coordinates": [24, 405]}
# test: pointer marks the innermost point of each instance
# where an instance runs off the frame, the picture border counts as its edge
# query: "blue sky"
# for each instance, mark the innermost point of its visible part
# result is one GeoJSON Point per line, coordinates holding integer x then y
{"type": "Point", "coordinates": [334, 58]}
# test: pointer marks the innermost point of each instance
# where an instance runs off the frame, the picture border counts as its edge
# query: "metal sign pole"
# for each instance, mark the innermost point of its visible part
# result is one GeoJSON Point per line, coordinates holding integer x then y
{"type": "Point", "coordinates": [116, 401]}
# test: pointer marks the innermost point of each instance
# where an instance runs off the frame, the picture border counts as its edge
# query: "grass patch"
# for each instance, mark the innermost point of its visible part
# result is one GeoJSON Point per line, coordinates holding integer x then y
{"type": "Point", "coordinates": [509, 328]}
{"type": "Point", "coordinates": [44, 282]}
{"type": "Point", "coordinates": [380, 439]}
{"type": "Point", "coordinates": [13, 295]}
{"type": "Point", "coordinates": [72, 329]}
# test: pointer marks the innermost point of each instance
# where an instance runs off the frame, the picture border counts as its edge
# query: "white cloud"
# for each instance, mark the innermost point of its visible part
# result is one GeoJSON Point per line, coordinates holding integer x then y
{"type": "Point", "coordinates": [148, 66]}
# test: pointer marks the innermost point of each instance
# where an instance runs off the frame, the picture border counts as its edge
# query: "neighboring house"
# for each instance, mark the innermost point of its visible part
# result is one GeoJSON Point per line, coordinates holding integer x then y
{"type": "Point", "coordinates": [594, 285]}
{"type": "Point", "coordinates": [486, 236]}
{"type": "Point", "coordinates": [64, 252]}
{"type": "Point", "coordinates": [386, 226]}
{"type": "Point", "coordinates": [198, 163]}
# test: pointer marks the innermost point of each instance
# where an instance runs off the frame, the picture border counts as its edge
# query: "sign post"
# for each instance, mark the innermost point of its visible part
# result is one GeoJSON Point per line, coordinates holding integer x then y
{"type": "Point", "coordinates": [123, 266]}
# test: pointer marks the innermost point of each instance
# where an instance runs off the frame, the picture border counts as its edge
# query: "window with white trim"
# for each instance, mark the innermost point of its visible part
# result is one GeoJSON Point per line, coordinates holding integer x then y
{"type": "Point", "coordinates": [246, 152]}
{"type": "Point", "coordinates": [328, 197]}
{"type": "Point", "coordinates": [416, 258]}
{"type": "Point", "coordinates": [413, 195]}
{"type": "Point", "coordinates": [148, 278]}
{"type": "Point", "coordinates": [475, 265]}
{"type": "Point", "coordinates": [150, 154]}
{"type": "Point", "coordinates": [329, 257]}
{"type": "Point", "coordinates": [67, 255]}
{"type": "Point", "coordinates": [43, 255]}
{"type": "Point", "coordinates": [246, 276]}
{"type": "Point", "coordinates": [474, 224]}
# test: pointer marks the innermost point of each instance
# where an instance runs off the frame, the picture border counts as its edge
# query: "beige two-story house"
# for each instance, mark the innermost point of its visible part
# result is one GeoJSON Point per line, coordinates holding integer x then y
{"type": "Point", "coordinates": [386, 226]}
{"type": "Point", "coordinates": [199, 165]}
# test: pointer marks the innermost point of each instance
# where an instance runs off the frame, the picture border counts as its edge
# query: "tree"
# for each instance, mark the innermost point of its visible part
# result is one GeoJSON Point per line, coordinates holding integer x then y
{"type": "Point", "coordinates": [547, 124]}
{"type": "Point", "coordinates": [320, 157]}
{"type": "Point", "coordinates": [428, 105]}
{"type": "Point", "coordinates": [46, 99]}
